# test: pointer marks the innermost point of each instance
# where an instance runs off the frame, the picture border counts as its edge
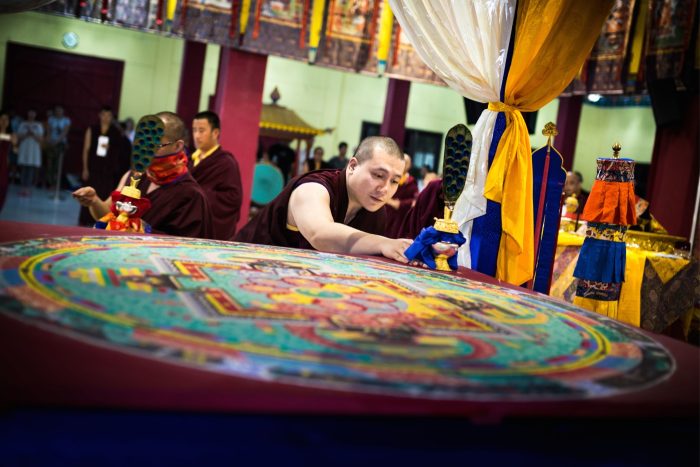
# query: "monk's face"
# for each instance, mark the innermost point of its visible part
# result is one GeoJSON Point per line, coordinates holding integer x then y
{"type": "Point", "coordinates": [572, 184]}
{"type": "Point", "coordinates": [205, 137]}
{"type": "Point", "coordinates": [374, 182]}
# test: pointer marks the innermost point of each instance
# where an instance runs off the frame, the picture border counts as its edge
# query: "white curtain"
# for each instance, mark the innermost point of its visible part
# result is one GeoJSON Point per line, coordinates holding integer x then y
{"type": "Point", "coordinates": [466, 44]}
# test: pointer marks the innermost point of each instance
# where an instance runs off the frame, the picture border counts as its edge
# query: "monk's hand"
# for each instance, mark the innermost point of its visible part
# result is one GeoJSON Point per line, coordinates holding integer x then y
{"type": "Point", "coordinates": [394, 249]}
{"type": "Point", "coordinates": [86, 196]}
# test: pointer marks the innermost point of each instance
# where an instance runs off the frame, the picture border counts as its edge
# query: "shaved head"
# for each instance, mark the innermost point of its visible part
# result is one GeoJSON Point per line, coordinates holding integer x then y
{"type": "Point", "coordinates": [174, 126]}
{"type": "Point", "coordinates": [368, 145]}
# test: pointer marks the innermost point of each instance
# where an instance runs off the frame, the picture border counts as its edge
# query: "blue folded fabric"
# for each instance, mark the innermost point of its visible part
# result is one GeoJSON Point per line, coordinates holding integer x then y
{"type": "Point", "coordinates": [601, 261]}
{"type": "Point", "coordinates": [421, 246]}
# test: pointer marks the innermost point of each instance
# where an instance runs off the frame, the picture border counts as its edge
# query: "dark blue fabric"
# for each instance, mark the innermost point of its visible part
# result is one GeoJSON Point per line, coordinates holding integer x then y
{"type": "Point", "coordinates": [486, 230]}
{"type": "Point", "coordinates": [421, 246]}
{"type": "Point", "coordinates": [550, 220]}
{"type": "Point", "coordinates": [601, 261]}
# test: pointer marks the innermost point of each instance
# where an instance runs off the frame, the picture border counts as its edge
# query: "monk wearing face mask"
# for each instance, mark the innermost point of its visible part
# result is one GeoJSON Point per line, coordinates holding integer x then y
{"type": "Point", "coordinates": [178, 204]}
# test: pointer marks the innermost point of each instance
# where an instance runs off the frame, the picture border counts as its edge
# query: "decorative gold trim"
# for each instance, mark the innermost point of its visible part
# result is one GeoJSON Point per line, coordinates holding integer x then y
{"type": "Point", "coordinates": [290, 128]}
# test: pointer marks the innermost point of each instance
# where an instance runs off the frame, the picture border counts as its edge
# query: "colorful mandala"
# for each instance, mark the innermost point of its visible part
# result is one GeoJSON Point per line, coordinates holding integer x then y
{"type": "Point", "coordinates": [322, 320]}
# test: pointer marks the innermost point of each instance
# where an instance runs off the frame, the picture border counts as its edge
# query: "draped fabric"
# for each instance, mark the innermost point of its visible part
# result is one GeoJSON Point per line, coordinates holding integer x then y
{"type": "Point", "coordinates": [552, 40]}
{"type": "Point", "coordinates": [466, 44]}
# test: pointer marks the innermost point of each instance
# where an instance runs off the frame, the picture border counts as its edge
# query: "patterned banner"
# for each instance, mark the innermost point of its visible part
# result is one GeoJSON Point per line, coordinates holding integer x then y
{"type": "Point", "coordinates": [349, 36]}
{"type": "Point", "coordinates": [669, 28]}
{"type": "Point", "coordinates": [608, 58]}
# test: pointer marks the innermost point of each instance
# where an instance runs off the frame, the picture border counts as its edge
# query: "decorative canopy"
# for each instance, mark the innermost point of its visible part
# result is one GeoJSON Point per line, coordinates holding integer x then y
{"type": "Point", "coordinates": [281, 122]}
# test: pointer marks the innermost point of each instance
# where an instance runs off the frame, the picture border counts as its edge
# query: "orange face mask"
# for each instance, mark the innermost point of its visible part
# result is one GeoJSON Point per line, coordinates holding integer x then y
{"type": "Point", "coordinates": [166, 169]}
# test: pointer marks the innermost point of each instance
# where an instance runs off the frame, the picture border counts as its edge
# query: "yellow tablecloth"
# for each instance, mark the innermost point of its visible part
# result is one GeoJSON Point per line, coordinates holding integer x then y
{"type": "Point", "coordinates": [659, 288]}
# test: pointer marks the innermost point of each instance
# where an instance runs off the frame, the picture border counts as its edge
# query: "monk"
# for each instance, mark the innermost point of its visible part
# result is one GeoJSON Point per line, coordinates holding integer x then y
{"type": "Point", "coordinates": [216, 171]}
{"type": "Point", "coordinates": [429, 204]}
{"type": "Point", "coordinates": [178, 204]}
{"type": "Point", "coordinates": [405, 197]}
{"type": "Point", "coordinates": [340, 211]}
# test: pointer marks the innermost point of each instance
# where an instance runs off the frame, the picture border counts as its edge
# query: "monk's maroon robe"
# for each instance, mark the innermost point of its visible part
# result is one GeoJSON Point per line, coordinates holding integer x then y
{"type": "Point", "coordinates": [429, 205]}
{"type": "Point", "coordinates": [269, 227]}
{"type": "Point", "coordinates": [220, 178]}
{"type": "Point", "coordinates": [406, 193]}
{"type": "Point", "coordinates": [178, 208]}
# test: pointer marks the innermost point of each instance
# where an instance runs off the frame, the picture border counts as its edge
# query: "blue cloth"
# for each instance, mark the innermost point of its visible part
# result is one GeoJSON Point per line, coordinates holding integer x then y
{"type": "Point", "coordinates": [601, 261]}
{"type": "Point", "coordinates": [421, 246]}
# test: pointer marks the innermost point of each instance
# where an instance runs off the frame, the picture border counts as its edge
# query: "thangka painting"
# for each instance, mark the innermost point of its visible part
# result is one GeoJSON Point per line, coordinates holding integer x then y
{"type": "Point", "coordinates": [322, 320]}
{"type": "Point", "coordinates": [351, 30]}
{"type": "Point", "coordinates": [349, 35]}
{"type": "Point", "coordinates": [278, 28]}
{"type": "Point", "coordinates": [608, 58]}
{"type": "Point", "coordinates": [669, 29]}
{"type": "Point", "coordinates": [289, 13]}
{"type": "Point", "coordinates": [404, 61]}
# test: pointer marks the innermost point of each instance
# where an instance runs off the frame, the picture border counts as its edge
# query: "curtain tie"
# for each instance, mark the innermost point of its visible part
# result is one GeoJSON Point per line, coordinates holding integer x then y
{"type": "Point", "coordinates": [501, 107]}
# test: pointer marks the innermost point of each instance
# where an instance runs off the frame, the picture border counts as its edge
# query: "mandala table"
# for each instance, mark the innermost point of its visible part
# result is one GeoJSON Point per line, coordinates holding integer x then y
{"type": "Point", "coordinates": [88, 320]}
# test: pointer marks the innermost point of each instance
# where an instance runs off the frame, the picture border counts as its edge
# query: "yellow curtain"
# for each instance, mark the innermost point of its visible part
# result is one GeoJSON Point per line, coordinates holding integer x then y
{"type": "Point", "coordinates": [552, 40]}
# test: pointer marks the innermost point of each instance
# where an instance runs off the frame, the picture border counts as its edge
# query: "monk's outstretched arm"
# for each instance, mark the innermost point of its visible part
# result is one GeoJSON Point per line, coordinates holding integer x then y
{"type": "Point", "coordinates": [309, 210]}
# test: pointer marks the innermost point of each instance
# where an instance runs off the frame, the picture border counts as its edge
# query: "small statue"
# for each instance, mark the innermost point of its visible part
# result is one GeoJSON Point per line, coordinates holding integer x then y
{"type": "Point", "coordinates": [126, 211]}
{"type": "Point", "coordinates": [437, 245]}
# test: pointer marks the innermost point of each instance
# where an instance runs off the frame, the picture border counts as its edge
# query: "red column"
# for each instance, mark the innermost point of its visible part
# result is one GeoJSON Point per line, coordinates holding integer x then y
{"type": "Point", "coordinates": [239, 104]}
{"type": "Point", "coordinates": [394, 124]}
{"type": "Point", "coordinates": [191, 80]}
{"type": "Point", "coordinates": [674, 171]}
{"type": "Point", "coordinates": [568, 118]}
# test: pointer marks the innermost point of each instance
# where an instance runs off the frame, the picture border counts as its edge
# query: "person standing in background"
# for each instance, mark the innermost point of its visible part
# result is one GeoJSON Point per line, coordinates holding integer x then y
{"type": "Point", "coordinates": [105, 158]}
{"type": "Point", "coordinates": [316, 162]}
{"type": "Point", "coordinates": [29, 134]}
{"type": "Point", "coordinates": [57, 142]}
{"type": "Point", "coordinates": [341, 160]}
{"type": "Point", "coordinates": [7, 142]}
{"type": "Point", "coordinates": [404, 198]}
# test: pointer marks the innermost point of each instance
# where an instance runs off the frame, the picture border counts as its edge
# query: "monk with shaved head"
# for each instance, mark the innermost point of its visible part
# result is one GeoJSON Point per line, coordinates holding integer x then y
{"type": "Point", "coordinates": [340, 211]}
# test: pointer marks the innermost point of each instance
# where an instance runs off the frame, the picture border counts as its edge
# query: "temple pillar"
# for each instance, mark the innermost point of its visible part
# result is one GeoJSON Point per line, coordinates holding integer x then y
{"type": "Point", "coordinates": [238, 102]}
{"type": "Point", "coordinates": [394, 123]}
{"type": "Point", "coordinates": [191, 73]}
{"type": "Point", "coordinates": [568, 119]}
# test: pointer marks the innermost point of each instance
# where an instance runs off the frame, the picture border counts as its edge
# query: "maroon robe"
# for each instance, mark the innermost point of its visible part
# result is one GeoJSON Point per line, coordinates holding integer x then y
{"type": "Point", "coordinates": [178, 208]}
{"type": "Point", "coordinates": [5, 148]}
{"type": "Point", "coordinates": [219, 177]}
{"type": "Point", "coordinates": [269, 227]}
{"type": "Point", "coordinates": [429, 205]}
{"type": "Point", "coordinates": [406, 194]}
